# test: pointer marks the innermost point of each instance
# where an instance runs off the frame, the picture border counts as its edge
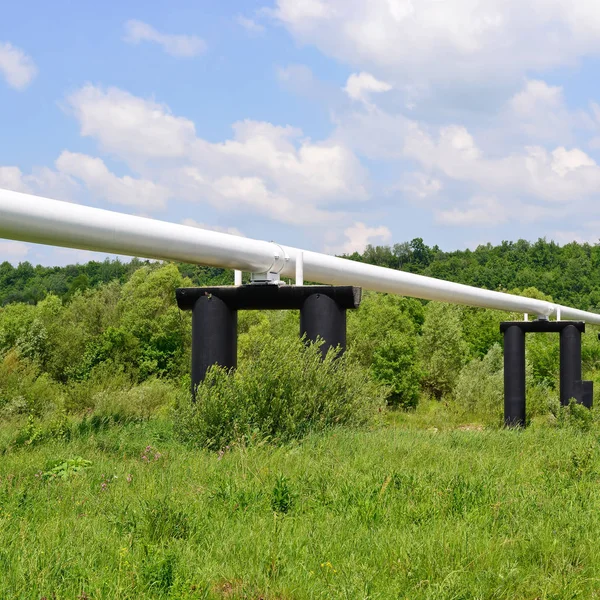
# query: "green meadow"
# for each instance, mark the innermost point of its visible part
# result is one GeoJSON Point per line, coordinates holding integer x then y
{"type": "Point", "coordinates": [419, 505]}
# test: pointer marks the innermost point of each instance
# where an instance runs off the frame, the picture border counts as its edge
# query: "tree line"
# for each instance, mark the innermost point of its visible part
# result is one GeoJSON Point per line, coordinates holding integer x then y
{"type": "Point", "coordinates": [108, 336]}
{"type": "Point", "coordinates": [570, 274]}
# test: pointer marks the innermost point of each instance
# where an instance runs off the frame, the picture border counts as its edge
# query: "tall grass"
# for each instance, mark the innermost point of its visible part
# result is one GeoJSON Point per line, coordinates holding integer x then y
{"type": "Point", "coordinates": [425, 507]}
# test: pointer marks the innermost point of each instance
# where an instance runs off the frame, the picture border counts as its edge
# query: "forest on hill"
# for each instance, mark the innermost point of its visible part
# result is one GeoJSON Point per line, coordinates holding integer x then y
{"type": "Point", "coordinates": [570, 274]}
{"type": "Point", "coordinates": [71, 330]}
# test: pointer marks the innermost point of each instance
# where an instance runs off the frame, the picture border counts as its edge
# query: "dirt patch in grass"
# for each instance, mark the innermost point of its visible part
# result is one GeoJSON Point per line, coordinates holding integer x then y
{"type": "Point", "coordinates": [471, 427]}
{"type": "Point", "coordinates": [236, 589]}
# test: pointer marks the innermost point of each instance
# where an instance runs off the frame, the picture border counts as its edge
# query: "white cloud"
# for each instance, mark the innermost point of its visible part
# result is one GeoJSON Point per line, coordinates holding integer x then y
{"type": "Point", "coordinates": [252, 193]}
{"type": "Point", "coordinates": [250, 25]}
{"type": "Point", "coordinates": [565, 161]}
{"type": "Point", "coordinates": [229, 230]}
{"type": "Point", "coordinates": [537, 115]}
{"type": "Point", "coordinates": [13, 252]}
{"type": "Point", "coordinates": [301, 11]}
{"type": "Point", "coordinates": [181, 46]}
{"type": "Point", "coordinates": [42, 181]}
{"type": "Point", "coordinates": [275, 171]}
{"type": "Point", "coordinates": [264, 168]}
{"type": "Point", "coordinates": [360, 85]}
{"type": "Point", "coordinates": [481, 211]}
{"type": "Point", "coordinates": [512, 165]}
{"type": "Point", "coordinates": [558, 176]}
{"type": "Point", "coordinates": [126, 190]}
{"type": "Point", "coordinates": [418, 185]}
{"type": "Point", "coordinates": [359, 235]}
{"type": "Point", "coordinates": [373, 133]}
{"type": "Point", "coordinates": [455, 42]}
{"type": "Point", "coordinates": [17, 68]}
{"type": "Point", "coordinates": [130, 126]}
{"type": "Point", "coordinates": [11, 178]}
{"type": "Point", "coordinates": [539, 112]}
{"type": "Point", "coordinates": [536, 94]}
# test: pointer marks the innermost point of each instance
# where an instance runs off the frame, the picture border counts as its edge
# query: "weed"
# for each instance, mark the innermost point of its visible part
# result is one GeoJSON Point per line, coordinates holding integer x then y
{"type": "Point", "coordinates": [163, 520]}
{"type": "Point", "coordinates": [287, 392]}
{"type": "Point", "coordinates": [575, 416]}
{"type": "Point", "coordinates": [281, 496]}
{"type": "Point", "coordinates": [158, 570]}
{"type": "Point", "coordinates": [582, 462]}
{"type": "Point", "coordinates": [390, 511]}
{"type": "Point", "coordinates": [65, 469]}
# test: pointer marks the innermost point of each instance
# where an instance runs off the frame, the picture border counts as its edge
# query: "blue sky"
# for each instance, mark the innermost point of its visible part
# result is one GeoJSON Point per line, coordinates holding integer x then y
{"type": "Point", "coordinates": [324, 124]}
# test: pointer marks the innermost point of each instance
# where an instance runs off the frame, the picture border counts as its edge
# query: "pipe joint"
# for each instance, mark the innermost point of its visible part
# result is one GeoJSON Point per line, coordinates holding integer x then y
{"type": "Point", "coordinates": [280, 259]}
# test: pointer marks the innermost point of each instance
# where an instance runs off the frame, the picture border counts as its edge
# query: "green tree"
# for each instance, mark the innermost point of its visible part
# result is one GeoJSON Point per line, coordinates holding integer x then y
{"type": "Point", "coordinates": [382, 336]}
{"type": "Point", "coordinates": [442, 351]}
{"type": "Point", "coordinates": [149, 313]}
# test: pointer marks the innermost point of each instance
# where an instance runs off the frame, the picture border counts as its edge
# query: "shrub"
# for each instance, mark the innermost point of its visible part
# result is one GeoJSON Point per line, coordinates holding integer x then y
{"type": "Point", "coordinates": [544, 356]}
{"type": "Point", "coordinates": [443, 350]}
{"type": "Point", "coordinates": [285, 392]}
{"type": "Point", "coordinates": [107, 377]}
{"type": "Point", "coordinates": [480, 389]}
{"type": "Point", "coordinates": [542, 398]}
{"type": "Point", "coordinates": [480, 329]}
{"type": "Point", "coordinates": [24, 390]}
{"type": "Point", "coordinates": [382, 337]}
{"type": "Point", "coordinates": [395, 365]}
{"type": "Point", "coordinates": [575, 416]}
{"type": "Point", "coordinates": [480, 385]}
{"type": "Point", "coordinates": [137, 403]}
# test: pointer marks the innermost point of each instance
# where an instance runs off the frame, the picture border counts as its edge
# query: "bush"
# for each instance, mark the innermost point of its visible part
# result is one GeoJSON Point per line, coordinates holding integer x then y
{"type": "Point", "coordinates": [480, 389]}
{"type": "Point", "coordinates": [480, 385]}
{"type": "Point", "coordinates": [575, 416]}
{"type": "Point", "coordinates": [543, 353]}
{"type": "Point", "coordinates": [382, 337]}
{"type": "Point", "coordinates": [24, 390]}
{"type": "Point", "coordinates": [285, 392]}
{"type": "Point", "coordinates": [82, 396]}
{"type": "Point", "coordinates": [136, 403]}
{"type": "Point", "coordinates": [395, 365]}
{"type": "Point", "coordinates": [442, 348]}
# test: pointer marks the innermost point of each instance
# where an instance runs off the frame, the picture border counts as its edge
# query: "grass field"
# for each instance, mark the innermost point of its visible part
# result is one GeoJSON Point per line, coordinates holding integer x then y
{"type": "Point", "coordinates": [420, 506]}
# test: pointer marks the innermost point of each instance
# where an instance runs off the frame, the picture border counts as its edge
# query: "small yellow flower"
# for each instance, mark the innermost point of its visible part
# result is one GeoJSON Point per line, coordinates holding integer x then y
{"type": "Point", "coordinates": [327, 565]}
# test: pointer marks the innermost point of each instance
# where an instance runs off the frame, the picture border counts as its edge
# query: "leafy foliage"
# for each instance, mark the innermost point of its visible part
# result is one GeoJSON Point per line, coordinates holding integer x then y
{"type": "Point", "coordinates": [480, 385]}
{"type": "Point", "coordinates": [64, 469]}
{"type": "Point", "coordinates": [286, 392]}
{"type": "Point", "coordinates": [568, 273]}
{"type": "Point", "coordinates": [94, 361]}
{"type": "Point", "coordinates": [442, 349]}
{"type": "Point", "coordinates": [106, 340]}
{"type": "Point", "coordinates": [382, 336]}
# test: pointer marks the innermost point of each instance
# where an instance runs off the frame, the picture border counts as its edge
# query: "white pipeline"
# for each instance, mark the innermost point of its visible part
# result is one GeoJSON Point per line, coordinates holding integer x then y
{"type": "Point", "coordinates": [43, 221]}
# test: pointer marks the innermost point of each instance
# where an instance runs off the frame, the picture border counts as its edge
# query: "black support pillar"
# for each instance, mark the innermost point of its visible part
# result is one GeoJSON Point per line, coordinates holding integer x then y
{"type": "Point", "coordinates": [570, 365]}
{"type": "Point", "coordinates": [214, 336]}
{"type": "Point", "coordinates": [571, 385]}
{"type": "Point", "coordinates": [514, 377]}
{"type": "Point", "coordinates": [322, 317]}
{"type": "Point", "coordinates": [214, 317]}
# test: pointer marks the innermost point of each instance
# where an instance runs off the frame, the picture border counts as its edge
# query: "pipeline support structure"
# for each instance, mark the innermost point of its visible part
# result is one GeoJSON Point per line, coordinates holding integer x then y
{"type": "Point", "coordinates": [214, 317]}
{"type": "Point", "coordinates": [571, 384]}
